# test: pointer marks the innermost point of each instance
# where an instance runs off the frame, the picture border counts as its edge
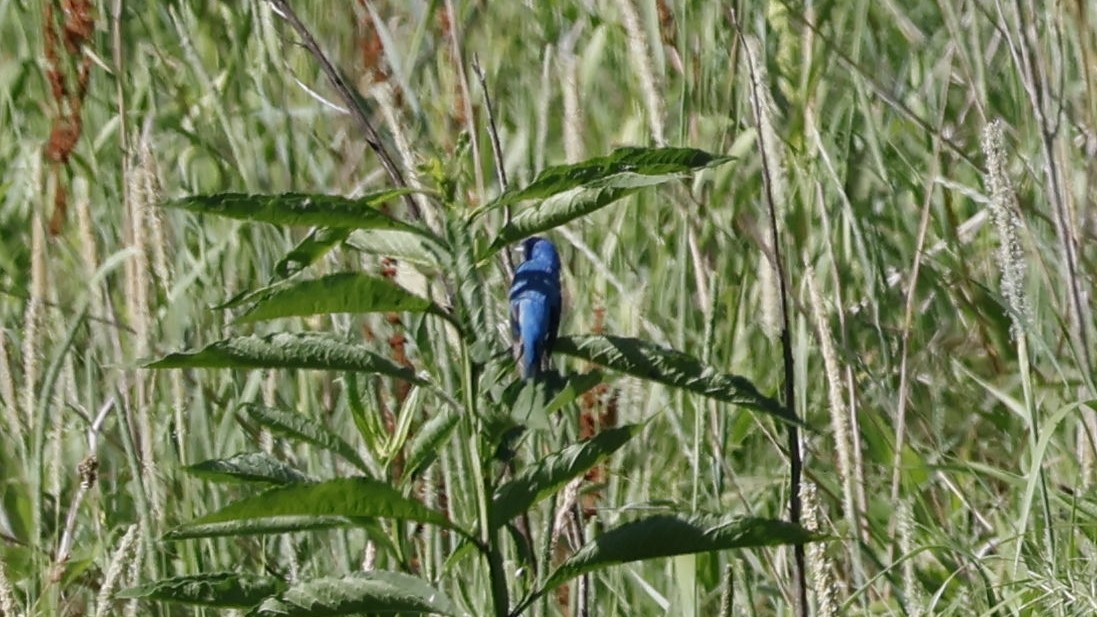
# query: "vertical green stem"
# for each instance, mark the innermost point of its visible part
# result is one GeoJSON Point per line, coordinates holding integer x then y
{"type": "Point", "coordinates": [488, 537]}
{"type": "Point", "coordinates": [1034, 432]}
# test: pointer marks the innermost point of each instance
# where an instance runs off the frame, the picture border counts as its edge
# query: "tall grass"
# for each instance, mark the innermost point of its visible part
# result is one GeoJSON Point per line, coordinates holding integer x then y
{"type": "Point", "coordinates": [950, 436]}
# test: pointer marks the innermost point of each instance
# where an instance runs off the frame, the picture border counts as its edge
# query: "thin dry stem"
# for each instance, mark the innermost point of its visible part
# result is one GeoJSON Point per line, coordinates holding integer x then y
{"type": "Point", "coordinates": [908, 319]}
{"type": "Point", "coordinates": [383, 94]}
{"type": "Point", "coordinates": [466, 99]}
{"type": "Point", "coordinates": [352, 103]}
{"type": "Point", "coordinates": [500, 165]}
{"type": "Point", "coordinates": [1048, 109]}
{"type": "Point", "coordinates": [773, 183]}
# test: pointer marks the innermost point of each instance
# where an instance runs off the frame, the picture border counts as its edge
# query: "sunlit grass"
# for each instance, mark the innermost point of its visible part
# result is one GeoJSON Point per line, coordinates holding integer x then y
{"type": "Point", "coordinates": [878, 112]}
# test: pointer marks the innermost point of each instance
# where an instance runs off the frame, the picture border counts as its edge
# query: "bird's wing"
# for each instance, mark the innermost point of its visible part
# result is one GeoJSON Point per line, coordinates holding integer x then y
{"type": "Point", "coordinates": [514, 319]}
{"type": "Point", "coordinates": [554, 322]}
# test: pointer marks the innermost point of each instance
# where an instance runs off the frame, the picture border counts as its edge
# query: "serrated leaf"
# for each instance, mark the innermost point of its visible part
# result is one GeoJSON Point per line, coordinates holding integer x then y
{"type": "Point", "coordinates": [428, 440]}
{"type": "Point", "coordinates": [472, 308]}
{"type": "Point", "coordinates": [670, 367]}
{"type": "Point", "coordinates": [572, 387]}
{"type": "Point", "coordinates": [219, 589]}
{"type": "Point", "coordinates": [605, 171]}
{"type": "Point", "coordinates": [670, 535]}
{"type": "Point", "coordinates": [568, 192]}
{"type": "Point", "coordinates": [375, 592]}
{"type": "Point", "coordinates": [343, 292]}
{"type": "Point", "coordinates": [312, 505]}
{"type": "Point", "coordinates": [264, 526]}
{"type": "Point", "coordinates": [400, 245]}
{"type": "Point", "coordinates": [310, 249]}
{"type": "Point", "coordinates": [549, 474]}
{"type": "Point", "coordinates": [301, 209]}
{"type": "Point", "coordinates": [304, 350]}
{"type": "Point", "coordinates": [247, 467]}
{"type": "Point", "coordinates": [301, 427]}
{"type": "Point", "coordinates": [561, 208]}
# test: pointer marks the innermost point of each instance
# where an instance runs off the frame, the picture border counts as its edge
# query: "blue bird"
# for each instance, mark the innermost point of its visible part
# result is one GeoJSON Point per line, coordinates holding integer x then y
{"type": "Point", "coordinates": [535, 304]}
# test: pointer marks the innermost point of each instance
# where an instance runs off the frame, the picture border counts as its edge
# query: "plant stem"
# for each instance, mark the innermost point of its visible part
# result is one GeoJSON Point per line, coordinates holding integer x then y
{"type": "Point", "coordinates": [488, 537]}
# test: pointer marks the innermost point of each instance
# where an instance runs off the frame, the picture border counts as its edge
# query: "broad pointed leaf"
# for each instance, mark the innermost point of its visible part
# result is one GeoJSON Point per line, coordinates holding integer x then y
{"type": "Point", "coordinates": [344, 292]}
{"type": "Point", "coordinates": [552, 472]}
{"type": "Point", "coordinates": [299, 426]}
{"type": "Point", "coordinates": [304, 350]}
{"type": "Point", "coordinates": [669, 367]}
{"type": "Point", "coordinates": [401, 245]}
{"type": "Point", "coordinates": [472, 308]}
{"type": "Point", "coordinates": [669, 535]}
{"type": "Point", "coordinates": [568, 192]}
{"type": "Point", "coordinates": [301, 209]}
{"type": "Point", "coordinates": [247, 467]}
{"type": "Point", "coordinates": [374, 592]}
{"type": "Point", "coordinates": [428, 441]}
{"type": "Point", "coordinates": [618, 169]}
{"type": "Point", "coordinates": [312, 505]}
{"type": "Point", "coordinates": [562, 208]}
{"type": "Point", "coordinates": [309, 250]}
{"type": "Point", "coordinates": [219, 589]}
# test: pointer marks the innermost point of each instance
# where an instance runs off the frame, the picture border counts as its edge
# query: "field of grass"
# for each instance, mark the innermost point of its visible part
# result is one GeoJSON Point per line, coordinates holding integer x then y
{"type": "Point", "coordinates": [930, 167]}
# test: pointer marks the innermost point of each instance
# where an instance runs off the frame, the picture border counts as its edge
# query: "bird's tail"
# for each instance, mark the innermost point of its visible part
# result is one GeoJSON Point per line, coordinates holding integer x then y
{"type": "Point", "coordinates": [531, 358]}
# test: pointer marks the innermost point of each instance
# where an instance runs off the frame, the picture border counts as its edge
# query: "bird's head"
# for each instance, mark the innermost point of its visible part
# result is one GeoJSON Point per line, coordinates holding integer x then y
{"type": "Point", "coordinates": [540, 250]}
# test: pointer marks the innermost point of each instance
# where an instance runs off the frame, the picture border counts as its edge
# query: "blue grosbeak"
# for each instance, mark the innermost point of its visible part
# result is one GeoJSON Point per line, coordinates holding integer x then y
{"type": "Point", "coordinates": [535, 303]}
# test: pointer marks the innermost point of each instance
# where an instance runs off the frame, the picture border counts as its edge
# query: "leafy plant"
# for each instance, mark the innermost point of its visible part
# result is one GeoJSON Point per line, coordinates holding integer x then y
{"type": "Point", "coordinates": [470, 401]}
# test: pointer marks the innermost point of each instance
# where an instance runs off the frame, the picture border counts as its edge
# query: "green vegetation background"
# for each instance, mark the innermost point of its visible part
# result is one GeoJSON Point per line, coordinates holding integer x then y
{"type": "Point", "coordinates": [879, 108]}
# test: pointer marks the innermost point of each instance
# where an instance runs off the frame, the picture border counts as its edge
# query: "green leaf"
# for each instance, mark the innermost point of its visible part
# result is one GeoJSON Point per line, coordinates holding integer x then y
{"type": "Point", "coordinates": [299, 426]}
{"type": "Point", "coordinates": [472, 308]}
{"type": "Point", "coordinates": [308, 251]}
{"type": "Point", "coordinates": [221, 589]}
{"type": "Point", "coordinates": [618, 169]}
{"type": "Point", "coordinates": [400, 245]}
{"type": "Point", "coordinates": [669, 535]}
{"type": "Point", "coordinates": [552, 472]}
{"type": "Point", "coordinates": [304, 350]}
{"type": "Point", "coordinates": [428, 441]}
{"type": "Point", "coordinates": [361, 593]}
{"type": "Point", "coordinates": [301, 209]}
{"type": "Point", "coordinates": [672, 368]}
{"type": "Point", "coordinates": [312, 505]}
{"type": "Point", "coordinates": [247, 467]}
{"type": "Point", "coordinates": [568, 192]}
{"type": "Point", "coordinates": [573, 386]}
{"type": "Point", "coordinates": [344, 292]}
{"type": "Point", "coordinates": [559, 209]}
